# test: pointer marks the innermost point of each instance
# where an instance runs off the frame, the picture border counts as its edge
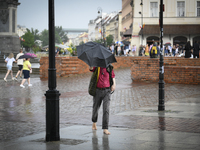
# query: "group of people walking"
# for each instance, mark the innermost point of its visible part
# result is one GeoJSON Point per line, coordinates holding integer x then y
{"type": "Point", "coordinates": [24, 66]}
{"type": "Point", "coordinates": [177, 50]}
{"type": "Point", "coordinates": [122, 49]}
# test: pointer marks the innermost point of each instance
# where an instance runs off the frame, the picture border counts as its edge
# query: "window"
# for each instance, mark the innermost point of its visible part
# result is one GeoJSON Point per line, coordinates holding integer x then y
{"type": "Point", "coordinates": [198, 8]}
{"type": "Point", "coordinates": [154, 9]}
{"type": "Point", "coordinates": [181, 9]}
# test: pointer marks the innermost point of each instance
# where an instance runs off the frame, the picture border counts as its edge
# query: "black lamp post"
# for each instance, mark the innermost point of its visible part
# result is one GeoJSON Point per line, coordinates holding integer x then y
{"type": "Point", "coordinates": [141, 4]}
{"type": "Point", "coordinates": [52, 95]}
{"type": "Point", "coordinates": [102, 27]}
{"type": "Point", "coordinates": [161, 105]}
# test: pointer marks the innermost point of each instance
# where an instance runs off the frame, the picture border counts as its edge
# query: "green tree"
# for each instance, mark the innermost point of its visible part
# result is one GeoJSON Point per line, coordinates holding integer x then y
{"type": "Point", "coordinates": [36, 49]}
{"type": "Point", "coordinates": [57, 38]}
{"type": "Point", "coordinates": [44, 37]}
{"type": "Point", "coordinates": [61, 33]}
{"type": "Point", "coordinates": [29, 39]}
{"type": "Point", "coordinates": [109, 40]}
{"type": "Point", "coordinates": [35, 34]}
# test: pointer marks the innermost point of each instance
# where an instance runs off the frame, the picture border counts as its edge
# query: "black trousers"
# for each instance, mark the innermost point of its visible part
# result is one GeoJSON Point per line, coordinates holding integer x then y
{"type": "Point", "coordinates": [194, 55]}
{"type": "Point", "coordinates": [101, 95]}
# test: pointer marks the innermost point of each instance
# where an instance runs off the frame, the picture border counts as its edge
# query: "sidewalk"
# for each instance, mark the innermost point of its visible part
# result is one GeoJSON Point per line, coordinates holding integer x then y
{"type": "Point", "coordinates": [76, 137]}
{"type": "Point", "coordinates": [135, 123]}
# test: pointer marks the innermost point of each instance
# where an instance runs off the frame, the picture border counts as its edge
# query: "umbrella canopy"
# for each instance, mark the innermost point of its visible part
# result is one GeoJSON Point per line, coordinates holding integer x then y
{"type": "Point", "coordinates": [118, 42]}
{"type": "Point", "coordinates": [95, 54]}
{"type": "Point", "coordinates": [61, 46]}
{"type": "Point", "coordinates": [167, 44]}
{"type": "Point", "coordinates": [28, 55]}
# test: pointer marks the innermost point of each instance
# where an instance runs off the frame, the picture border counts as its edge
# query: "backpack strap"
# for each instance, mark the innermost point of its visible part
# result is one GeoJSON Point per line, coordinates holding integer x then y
{"type": "Point", "coordinates": [109, 70]}
{"type": "Point", "coordinates": [98, 71]}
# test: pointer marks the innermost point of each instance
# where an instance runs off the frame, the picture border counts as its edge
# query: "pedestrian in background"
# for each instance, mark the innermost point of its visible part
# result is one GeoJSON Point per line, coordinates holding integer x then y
{"type": "Point", "coordinates": [196, 50]}
{"type": "Point", "coordinates": [166, 51]}
{"type": "Point", "coordinates": [26, 71]}
{"type": "Point", "coordinates": [19, 63]}
{"type": "Point", "coordinates": [173, 50]}
{"type": "Point", "coordinates": [9, 60]}
{"type": "Point", "coordinates": [169, 50]}
{"type": "Point", "coordinates": [108, 47]}
{"type": "Point", "coordinates": [116, 51]}
{"type": "Point", "coordinates": [103, 94]}
{"type": "Point", "coordinates": [119, 50]}
{"type": "Point", "coordinates": [154, 51]}
{"type": "Point", "coordinates": [134, 49]}
{"type": "Point", "coordinates": [113, 48]}
{"type": "Point", "coordinates": [188, 50]}
{"type": "Point", "coordinates": [141, 50]}
{"type": "Point", "coordinates": [122, 49]}
{"type": "Point", "coordinates": [147, 50]}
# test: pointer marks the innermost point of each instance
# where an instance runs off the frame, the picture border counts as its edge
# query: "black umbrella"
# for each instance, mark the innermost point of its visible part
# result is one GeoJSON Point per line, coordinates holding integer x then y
{"type": "Point", "coordinates": [95, 54]}
{"type": "Point", "coordinates": [27, 55]}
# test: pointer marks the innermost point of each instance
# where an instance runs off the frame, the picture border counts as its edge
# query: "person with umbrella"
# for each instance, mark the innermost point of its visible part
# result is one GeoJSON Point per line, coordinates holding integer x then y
{"type": "Point", "coordinates": [26, 68]}
{"type": "Point", "coordinates": [99, 58]}
{"type": "Point", "coordinates": [103, 93]}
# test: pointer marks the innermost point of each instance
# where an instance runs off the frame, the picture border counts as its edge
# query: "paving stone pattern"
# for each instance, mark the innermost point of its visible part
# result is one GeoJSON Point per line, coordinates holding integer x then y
{"type": "Point", "coordinates": [22, 111]}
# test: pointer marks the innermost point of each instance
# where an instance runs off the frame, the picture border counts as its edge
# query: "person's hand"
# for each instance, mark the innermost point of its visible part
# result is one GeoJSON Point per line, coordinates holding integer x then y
{"type": "Point", "coordinates": [113, 87]}
{"type": "Point", "coordinates": [91, 68]}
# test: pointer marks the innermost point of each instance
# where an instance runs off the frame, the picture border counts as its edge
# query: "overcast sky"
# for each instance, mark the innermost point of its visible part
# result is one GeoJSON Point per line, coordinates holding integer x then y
{"type": "Point", "coordinates": [68, 13]}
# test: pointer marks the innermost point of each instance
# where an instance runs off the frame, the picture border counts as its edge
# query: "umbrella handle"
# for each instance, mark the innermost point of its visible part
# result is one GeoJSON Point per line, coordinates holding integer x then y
{"type": "Point", "coordinates": [112, 92]}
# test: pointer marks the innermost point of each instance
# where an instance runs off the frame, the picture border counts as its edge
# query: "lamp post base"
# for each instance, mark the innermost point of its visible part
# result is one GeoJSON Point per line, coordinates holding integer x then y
{"type": "Point", "coordinates": [52, 115]}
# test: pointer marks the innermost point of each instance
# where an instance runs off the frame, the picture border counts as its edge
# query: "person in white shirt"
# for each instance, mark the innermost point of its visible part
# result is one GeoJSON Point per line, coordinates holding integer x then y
{"type": "Point", "coordinates": [19, 63]}
{"type": "Point", "coordinates": [112, 48]}
{"type": "Point", "coordinates": [119, 50]}
{"type": "Point", "coordinates": [9, 60]}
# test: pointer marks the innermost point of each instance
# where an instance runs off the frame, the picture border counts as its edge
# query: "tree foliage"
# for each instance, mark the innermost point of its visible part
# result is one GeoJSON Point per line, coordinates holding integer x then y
{"type": "Point", "coordinates": [35, 34]}
{"type": "Point", "coordinates": [32, 35]}
{"type": "Point", "coordinates": [109, 40]}
{"type": "Point", "coordinates": [44, 37]}
{"type": "Point", "coordinates": [29, 39]}
{"type": "Point", "coordinates": [61, 33]}
{"type": "Point", "coordinates": [60, 36]}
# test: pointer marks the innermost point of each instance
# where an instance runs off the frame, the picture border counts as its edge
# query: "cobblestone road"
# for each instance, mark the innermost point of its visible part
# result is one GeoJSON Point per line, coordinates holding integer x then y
{"type": "Point", "coordinates": [22, 111]}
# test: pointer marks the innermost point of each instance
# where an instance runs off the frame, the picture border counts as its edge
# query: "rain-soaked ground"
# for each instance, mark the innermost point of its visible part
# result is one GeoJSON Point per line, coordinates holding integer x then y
{"type": "Point", "coordinates": [22, 111]}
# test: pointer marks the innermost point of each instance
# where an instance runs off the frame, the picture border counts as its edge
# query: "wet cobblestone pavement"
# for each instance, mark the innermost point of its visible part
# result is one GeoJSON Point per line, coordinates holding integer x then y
{"type": "Point", "coordinates": [22, 111]}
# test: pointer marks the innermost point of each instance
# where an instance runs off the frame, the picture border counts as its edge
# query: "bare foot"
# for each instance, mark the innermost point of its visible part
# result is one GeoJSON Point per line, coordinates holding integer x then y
{"type": "Point", "coordinates": [94, 127]}
{"type": "Point", "coordinates": [105, 131]}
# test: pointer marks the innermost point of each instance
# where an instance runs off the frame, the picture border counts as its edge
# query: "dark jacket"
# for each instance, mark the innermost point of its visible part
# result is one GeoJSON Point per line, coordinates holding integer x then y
{"type": "Point", "coordinates": [196, 48]}
{"type": "Point", "coordinates": [188, 51]}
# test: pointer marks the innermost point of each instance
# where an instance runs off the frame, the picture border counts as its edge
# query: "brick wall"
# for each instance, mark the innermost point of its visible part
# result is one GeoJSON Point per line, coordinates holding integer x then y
{"type": "Point", "coordinates": [176, 70]}
{"type": "Point", "coordinates": [66, 66]}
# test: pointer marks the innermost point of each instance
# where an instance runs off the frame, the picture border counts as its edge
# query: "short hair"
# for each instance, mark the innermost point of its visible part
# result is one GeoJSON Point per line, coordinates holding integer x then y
{"type": "Point", "coordinates": [20, 50]}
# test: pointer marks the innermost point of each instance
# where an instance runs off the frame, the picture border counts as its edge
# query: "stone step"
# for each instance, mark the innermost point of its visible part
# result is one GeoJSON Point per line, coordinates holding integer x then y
{"type": "Point", "coordinates": [3, 69]}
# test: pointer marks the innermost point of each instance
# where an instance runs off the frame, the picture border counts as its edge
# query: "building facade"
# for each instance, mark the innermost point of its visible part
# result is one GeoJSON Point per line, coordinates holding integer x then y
{"type": "Point", "coordinates": [127, 19]}
{"type": "Point", "coordinates": [181, 22]}
{"type": "Point", "coordinates": [21, 30]}
{"type": "Point", "coordinates": [73, 35]}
